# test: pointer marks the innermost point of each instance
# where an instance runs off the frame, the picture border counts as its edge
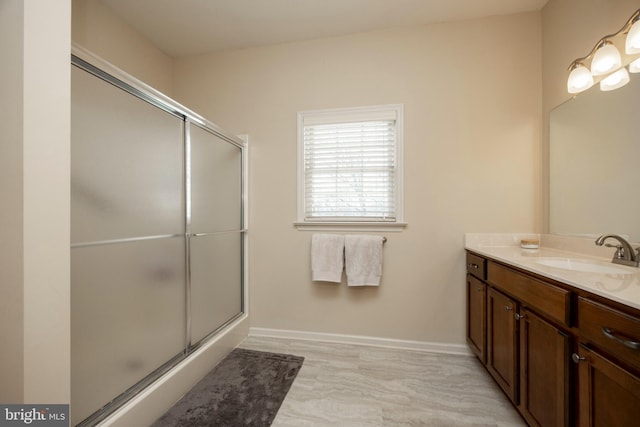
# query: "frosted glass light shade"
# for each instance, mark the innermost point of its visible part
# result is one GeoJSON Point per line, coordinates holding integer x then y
{"type": "Point", "coordinates": [580, 79]}
{"type": "Point", "coordinates": [615, 80]}
{"type": "Point", "coordinates": [632, 43]}
{"type": "Point", "coordinates": [606, 59]}
{"type": "Point", "coordinates": [634, 67]}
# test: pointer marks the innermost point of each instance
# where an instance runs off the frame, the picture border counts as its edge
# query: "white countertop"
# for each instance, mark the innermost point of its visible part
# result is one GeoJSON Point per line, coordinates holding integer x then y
{"type": "Point", "coordinates": [622, 288]}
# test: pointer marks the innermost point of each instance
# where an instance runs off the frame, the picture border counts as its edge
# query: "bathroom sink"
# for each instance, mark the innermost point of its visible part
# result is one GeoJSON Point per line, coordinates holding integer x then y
{"type": "Point", "coordinates": [583, 265]}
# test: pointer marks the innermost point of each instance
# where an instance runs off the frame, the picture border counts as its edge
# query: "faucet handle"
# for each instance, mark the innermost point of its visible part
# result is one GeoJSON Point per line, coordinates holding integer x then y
{"type": "Point", "coordinates": [619, 250]}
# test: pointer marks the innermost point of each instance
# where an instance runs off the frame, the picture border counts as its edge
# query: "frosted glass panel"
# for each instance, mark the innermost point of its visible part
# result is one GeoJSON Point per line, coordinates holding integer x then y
{"type": "Point", "coordinates": [216, 282]}
{"type": "Point", "coordinates": [216, 186]}
{"type": "Point", "coordinates": [127, 316]}
{"type": "Point", "coordinates": [126, 164]}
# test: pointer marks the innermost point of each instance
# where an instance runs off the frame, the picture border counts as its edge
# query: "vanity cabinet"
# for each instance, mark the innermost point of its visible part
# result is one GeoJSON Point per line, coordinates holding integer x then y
{"type": "Point", "coordinates": [610, 330]}
{"type": "Point", "coordinates": [502, 348]}
{"type": "Point", "coordinates": [477, 317]}
{"type": "Point", "coordinates": [545, 385]}
{"type": "Point", "coordinates": [608, 360]}
{"type": "Point", "coordinates": [529, 344]}
{"type": "Point", "coordinates": [532, 363]}
{"type": "Point", "coordinates": [477, 306]}
{"type": "Point", "coordinates": [562, 355]}
{"type": "Point", "coordinates": [544, 297]}
{"type": "Point", "coordinates": [609, 395]}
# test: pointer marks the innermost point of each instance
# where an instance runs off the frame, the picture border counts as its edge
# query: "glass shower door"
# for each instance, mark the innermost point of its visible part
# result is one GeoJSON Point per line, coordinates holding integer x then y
{"type": "Point", "coordinates": [127, 237]}
{"type": "Point", "coordinates": [216, 232]}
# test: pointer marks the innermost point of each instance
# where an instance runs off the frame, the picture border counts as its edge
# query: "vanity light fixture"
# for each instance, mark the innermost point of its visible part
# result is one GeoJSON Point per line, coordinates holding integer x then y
{"type": "Point", "coordinates": [632, 44]}
{"type": "Point", "coordinates": [615, 80]}
{"type": "Point", "coordinates": [634, 67]}
{"type": "Point", "coordinates": [580, 78]}
{"type": "Point", "coordinates": [606, 61]}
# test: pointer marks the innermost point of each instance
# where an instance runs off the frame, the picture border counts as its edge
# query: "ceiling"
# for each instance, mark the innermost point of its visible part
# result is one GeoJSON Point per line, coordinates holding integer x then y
{"type": "Point", "coordinates": [189, 27]}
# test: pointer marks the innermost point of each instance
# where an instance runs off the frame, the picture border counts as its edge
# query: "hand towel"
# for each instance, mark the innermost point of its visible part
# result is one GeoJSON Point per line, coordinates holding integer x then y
{"type": "Point", "coordinates": [363, 259]}
{"type": "Point", "coordinates": [327, 257]}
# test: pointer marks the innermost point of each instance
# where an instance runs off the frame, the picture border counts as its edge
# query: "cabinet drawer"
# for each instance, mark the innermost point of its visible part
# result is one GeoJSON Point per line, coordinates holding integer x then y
{"type": "Point", "coordinates": [613, 331]}
{"type": "Point", "coordinates": [477, 266]}
{"type": "Point", "coordinates": [543, 297]}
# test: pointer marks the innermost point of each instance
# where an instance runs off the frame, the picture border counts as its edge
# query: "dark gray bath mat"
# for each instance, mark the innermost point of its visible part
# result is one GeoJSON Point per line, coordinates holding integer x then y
{"type": "Point", "coordinates": [245, 389]}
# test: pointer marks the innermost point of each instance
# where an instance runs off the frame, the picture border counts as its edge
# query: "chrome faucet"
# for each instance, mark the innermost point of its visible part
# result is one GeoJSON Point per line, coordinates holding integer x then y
{"type": "Point", "coordinates": [625, 253]}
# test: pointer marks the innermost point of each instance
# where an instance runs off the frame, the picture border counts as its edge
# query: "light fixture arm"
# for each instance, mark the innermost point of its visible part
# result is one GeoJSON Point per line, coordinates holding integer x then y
{"type": "Point", "coordinates": [604, 40]}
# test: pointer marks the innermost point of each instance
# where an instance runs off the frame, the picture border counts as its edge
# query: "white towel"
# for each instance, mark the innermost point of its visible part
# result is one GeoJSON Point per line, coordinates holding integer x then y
{"type": "Point", "coordinates": [363, 259]}
{"type": "Point", "coordinates": [327, 257]}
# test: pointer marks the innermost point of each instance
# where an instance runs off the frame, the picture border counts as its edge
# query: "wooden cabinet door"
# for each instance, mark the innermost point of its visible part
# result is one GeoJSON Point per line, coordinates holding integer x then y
{"type": "Point", "coordinates": [502, 339]}
{"type": "Point", "coordinates": [477, 317]}
{"type": "Point", "coordinates": [609, 396]}
{"type": "Point", "coordinates": [545, 357]}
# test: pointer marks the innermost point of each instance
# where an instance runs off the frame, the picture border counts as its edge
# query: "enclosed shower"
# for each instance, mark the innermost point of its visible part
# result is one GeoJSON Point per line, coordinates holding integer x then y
{"type": "Point", "coordinates": [157, 236]}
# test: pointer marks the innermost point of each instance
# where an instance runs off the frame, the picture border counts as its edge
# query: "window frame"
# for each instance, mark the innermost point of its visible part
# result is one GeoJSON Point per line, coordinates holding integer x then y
{"type": "Point", "coordinates": [342, 115]}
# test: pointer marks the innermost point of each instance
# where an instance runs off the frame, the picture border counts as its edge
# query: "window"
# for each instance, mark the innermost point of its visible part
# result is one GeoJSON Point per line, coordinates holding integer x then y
{"type": "Point", "coordinates": [349, 166]}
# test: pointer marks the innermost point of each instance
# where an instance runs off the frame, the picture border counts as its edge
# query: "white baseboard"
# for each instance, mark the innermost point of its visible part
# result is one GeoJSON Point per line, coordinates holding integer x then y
{"type": "Point", "coordinates": [428, 347]}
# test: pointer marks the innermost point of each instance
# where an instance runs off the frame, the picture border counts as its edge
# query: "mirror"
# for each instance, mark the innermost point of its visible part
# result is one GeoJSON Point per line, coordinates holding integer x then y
{"type": "Point", "coordinates": [594, 165]}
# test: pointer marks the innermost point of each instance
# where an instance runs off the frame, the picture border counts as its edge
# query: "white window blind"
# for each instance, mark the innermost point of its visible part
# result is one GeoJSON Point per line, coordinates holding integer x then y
{"type": "Point", "coordinates": [350, 167]}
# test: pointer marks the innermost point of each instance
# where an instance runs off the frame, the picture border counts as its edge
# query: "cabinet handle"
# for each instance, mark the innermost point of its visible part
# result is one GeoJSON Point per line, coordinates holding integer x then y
{"type": "Point", "coordinates": [478, 289]}
{"type": "Point", "coordinates": [520, 316]}
{"type": "Point", "coordinates": [474, 266]}
{"type": "Point", "coordinates": [507, 308]}
{"type": "Point", "coordinates": [577, 359]}
{"type": "Point", "coordinates": [609, 333]}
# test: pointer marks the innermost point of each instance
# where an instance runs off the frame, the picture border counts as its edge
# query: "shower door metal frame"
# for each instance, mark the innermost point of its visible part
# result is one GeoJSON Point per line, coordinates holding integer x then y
{"type": "Point", "coordinates": [120, 79]}
{"type": "Point", "coordinates": [191, 346]}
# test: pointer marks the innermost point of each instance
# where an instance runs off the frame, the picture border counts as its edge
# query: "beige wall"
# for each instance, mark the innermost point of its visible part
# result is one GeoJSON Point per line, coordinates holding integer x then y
{"type": "Point", "coordinates": [11, 302]}
{"type": "Point", "coordinates": [570, 29]}
{"type": "Point", "coordinates": [46, 151]}
{"type": "Point", "coordinates": [99, 30]}
{"type": "Point", "coordinates": [35, 193]}
{"type": "Point", "coordinates": [471, 94]}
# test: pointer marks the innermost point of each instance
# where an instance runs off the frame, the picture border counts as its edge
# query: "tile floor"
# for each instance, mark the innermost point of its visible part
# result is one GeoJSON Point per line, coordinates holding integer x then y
{"type": "Point", "coordinates": [352, 386]}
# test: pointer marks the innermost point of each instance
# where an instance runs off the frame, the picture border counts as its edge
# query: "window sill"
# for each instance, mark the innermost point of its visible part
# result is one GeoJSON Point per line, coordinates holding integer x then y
{"type": "Point", "coordinates": [350, 226]}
